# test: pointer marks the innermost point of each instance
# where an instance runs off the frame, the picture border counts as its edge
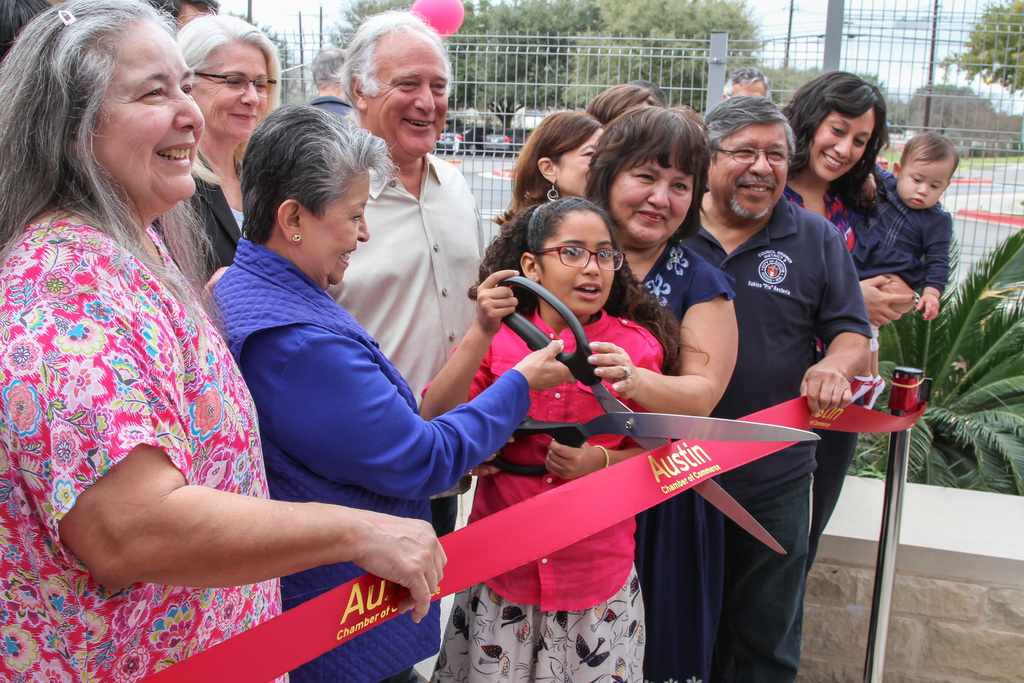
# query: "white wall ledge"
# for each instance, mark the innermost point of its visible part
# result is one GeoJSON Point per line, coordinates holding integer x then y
{"type": "Point", "coordinates": [950, 533]}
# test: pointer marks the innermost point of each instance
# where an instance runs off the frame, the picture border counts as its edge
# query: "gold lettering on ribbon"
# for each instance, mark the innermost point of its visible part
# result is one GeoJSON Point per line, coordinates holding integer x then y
{"type": "Point", "coordinates": [359, 606]}
{"type": "Point", "coordinates": [355, 603]}
{"type": "Point", "coordinates": [826, 418]}
{"type": "Point", "coordinates": [681, 460]}
{"type": "Point", "coordinates": [370, 604]}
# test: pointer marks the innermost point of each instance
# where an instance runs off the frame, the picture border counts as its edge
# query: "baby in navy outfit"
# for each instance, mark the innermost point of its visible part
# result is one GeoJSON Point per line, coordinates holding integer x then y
{"type": "Point", "coordinates": [908, 234]}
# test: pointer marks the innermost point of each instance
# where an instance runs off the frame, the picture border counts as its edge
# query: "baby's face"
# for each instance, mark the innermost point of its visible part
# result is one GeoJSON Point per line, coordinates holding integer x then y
{"type": "Point", "coordinates": [920, 183]}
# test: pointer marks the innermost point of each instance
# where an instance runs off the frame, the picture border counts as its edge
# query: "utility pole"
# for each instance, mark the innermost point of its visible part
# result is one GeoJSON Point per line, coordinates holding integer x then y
{"type": "Point", "coordinates": [789, 36]}
{"type": "Point", "coordinates": [930, 88]}
{"type": "Point", "coordinates": [248, 12]}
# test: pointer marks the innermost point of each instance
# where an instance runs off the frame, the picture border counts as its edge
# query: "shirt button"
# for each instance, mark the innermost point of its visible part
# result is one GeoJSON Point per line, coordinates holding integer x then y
{"type": "Point", "coordinates": [444, 291]}
{"type": "Point", "coordinates": [437, 247]}
{"type": "Point", "coordinates": [451, 336]}
{"type": "Point", "coordinates": [543, 560]}
{"type": "Point", "coordinates": [392, 182]}
{"type": "Point", "coordinates": [558, 395]}
{"type": "Point", "coordinates": [549, 480]}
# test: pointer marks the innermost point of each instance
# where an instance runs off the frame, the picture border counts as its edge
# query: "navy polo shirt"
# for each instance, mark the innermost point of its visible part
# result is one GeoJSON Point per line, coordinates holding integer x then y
{"type": "Point", "coordinates": [795, 280]}
{"type": "Point", "coordinates": [331, 103]}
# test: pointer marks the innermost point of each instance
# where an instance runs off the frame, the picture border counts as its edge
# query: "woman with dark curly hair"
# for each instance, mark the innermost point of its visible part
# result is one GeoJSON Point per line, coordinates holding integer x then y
{"type": "Point", "coordinates": [838, 121]}
{"type": "Point", "coordinates": [554, 161]}
{"type": "Point", "coordinates": [578, 606]}
{"type": "Point", "coordinates": [650, 171]}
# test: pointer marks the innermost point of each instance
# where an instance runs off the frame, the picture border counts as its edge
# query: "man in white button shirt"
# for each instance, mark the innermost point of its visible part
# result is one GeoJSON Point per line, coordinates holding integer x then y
{"type": "Point", "coordinates": [407, 286]}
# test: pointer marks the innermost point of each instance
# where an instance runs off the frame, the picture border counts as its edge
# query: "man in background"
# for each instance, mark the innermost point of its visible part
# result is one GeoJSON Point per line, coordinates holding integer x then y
{"type": "Point", "coordinates": [327, 76]}
{"type": "Point", "coordinates": [747, 80]}
{"type": "Point", "coordinates": [408, 284]}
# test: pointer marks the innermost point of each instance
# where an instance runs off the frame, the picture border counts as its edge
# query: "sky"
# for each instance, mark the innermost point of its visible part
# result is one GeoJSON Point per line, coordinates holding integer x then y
{"type": "Point", "coordinates": [888, 38]}
{"type": "Point", "coordinates": [284, 15]}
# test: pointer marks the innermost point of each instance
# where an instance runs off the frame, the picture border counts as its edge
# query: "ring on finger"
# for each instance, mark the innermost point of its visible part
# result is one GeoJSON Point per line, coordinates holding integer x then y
{"type": "Point", "coordinates": [629, 373]}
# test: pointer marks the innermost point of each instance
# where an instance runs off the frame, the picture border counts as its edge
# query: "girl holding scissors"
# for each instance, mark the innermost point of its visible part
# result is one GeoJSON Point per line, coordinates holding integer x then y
{"type": "Point", "coordinates": [575, 614]}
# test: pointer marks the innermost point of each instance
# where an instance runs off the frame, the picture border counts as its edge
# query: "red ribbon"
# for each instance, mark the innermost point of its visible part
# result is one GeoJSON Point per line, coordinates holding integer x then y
{"type": "Point", "coordinates": [279, 645]}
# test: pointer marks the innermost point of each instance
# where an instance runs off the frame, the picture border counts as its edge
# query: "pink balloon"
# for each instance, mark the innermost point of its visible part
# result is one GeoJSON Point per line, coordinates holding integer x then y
{"type": "Point", "coordinates": [444, 16]}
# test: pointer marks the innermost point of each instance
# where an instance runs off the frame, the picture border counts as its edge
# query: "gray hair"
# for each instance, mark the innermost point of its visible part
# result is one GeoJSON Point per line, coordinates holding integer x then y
{"type": "Point", "coordinates": [201, 37]}
{"type": "Point", "coordinates": [327, 68]}
{"type": "Point", "coordinates": [736, 113]}
{"type": "Point", "coordinates": [361, 62]}
{"type": "Point", "coordinates": [747, 74]}
{"type": "Point", "coordinates": [307, 154]}
{"type": "Point", "coordinates": [54, 86]}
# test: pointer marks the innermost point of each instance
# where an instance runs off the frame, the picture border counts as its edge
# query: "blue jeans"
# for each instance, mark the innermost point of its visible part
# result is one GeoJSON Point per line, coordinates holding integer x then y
{"type": "Point", "coordinates": [834, 454]}
{"type": "Point", "coordinates": [762, 609]}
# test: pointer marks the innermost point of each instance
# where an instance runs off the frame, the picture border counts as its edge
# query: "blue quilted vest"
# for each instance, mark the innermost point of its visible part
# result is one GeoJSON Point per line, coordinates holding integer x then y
{"type": "Point", "coordinates": [263, 290]}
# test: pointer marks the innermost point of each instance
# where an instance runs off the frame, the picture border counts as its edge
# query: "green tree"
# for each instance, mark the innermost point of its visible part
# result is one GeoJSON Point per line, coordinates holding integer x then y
{"type": "Point", "coordinates": [995, 46]}
{"type": "Point", "coordinates": [357, 10]}
{"type": "Point", "coordinates": [521, 53]}
{"type": "Point", "coordinates": [678, 18]}
{"type": "Point", "coordinates": [972, 433]}
{"type": "Point", "coordinates": [969, 119]}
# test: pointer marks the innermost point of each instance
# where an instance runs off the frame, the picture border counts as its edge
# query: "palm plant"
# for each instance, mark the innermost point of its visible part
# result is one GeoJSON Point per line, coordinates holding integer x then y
{"type": "Point", "coordinates": [972, 434]}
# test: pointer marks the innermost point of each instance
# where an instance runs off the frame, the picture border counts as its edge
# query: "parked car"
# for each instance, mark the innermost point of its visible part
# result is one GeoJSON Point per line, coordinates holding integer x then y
{"type": "Point", "coordinates": [473, 138]}
{"type": "Point", "coordinates": [450, 141]}
{"type": "Point", "coordinates": [500, 143]}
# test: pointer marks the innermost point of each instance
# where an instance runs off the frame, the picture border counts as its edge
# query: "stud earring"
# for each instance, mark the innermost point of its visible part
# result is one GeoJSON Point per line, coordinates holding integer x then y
{"type": "Point", "coordinates": [296, 238]}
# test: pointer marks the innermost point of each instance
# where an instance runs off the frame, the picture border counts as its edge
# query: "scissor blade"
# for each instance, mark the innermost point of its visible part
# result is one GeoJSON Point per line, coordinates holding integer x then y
{"type": "Point", "coordinates": [664, 426]}
{"type": "Point", "coordinates": [720, 498]}
{"type": "Point", "coordinates": [710, 489]}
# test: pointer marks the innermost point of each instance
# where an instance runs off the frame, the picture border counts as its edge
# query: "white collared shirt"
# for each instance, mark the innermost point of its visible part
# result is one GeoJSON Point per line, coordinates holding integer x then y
{"type": "Point", "coordinates": [407, 285]}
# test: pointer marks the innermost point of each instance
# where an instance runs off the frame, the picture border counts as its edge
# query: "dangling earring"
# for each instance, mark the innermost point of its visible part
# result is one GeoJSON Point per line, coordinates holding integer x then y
{"type": "Point", "coordinates": [296, 237]}
{"type": "Point", "coordinates": [552, 193]}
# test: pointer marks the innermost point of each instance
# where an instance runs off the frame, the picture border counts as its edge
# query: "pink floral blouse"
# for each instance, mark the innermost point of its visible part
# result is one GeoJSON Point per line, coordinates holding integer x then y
{"type": "Point", "coordinates": [97, 357]}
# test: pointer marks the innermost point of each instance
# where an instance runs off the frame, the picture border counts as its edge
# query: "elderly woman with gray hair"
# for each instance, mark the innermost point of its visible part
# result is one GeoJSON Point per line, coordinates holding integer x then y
{"type": "Point", "coordinates": [135, 527]}
{"type": "Point", "coordinates": [338, 422]}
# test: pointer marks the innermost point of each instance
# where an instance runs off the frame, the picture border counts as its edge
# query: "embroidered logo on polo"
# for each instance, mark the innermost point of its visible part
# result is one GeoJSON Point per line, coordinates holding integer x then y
{"type": "Point", "coordinates": [772, 270]}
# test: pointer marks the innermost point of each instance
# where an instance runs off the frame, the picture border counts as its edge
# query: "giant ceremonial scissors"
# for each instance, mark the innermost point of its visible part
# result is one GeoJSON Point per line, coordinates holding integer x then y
{"type": "Point", "coordinates": [650, 430]}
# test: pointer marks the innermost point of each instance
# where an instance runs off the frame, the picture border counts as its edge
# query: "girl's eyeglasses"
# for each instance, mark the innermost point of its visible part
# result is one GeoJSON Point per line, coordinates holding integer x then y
{"type": "Point", "coordinates": [579, 257]}
{"type": "Point", "coordinates": [239, 84]}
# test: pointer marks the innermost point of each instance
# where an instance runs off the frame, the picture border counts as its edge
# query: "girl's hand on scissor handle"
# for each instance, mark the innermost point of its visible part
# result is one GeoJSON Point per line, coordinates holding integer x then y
{"type": "Point", "coordinates": [494, 301]}
{"type": "Point", "coordinates": [570, 462]}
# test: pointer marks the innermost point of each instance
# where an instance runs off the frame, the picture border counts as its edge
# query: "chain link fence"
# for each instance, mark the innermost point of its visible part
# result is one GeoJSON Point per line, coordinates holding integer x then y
{"type": "Point", "coordinates": [917, 51]}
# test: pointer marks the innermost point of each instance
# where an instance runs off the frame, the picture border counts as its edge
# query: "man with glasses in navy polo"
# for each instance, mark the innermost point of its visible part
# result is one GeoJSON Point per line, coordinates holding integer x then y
{"type": "Point", "coordinates": [795, 280]}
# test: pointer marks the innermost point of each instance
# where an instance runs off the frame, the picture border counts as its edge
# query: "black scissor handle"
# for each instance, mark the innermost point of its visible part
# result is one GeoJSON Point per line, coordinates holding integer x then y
{"type": "Point", "coordinates": [536, 340]}
{"type": "Point", "coordinates": [515, 468]}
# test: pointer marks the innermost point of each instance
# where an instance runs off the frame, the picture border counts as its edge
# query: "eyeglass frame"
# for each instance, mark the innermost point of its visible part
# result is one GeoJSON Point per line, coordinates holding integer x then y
{"type": "Point", "coordinates": [591, 254]}
{"type": "Point", "coordinates": [757, 155]}
{"type": "Point", "coordinates": [251, 81]}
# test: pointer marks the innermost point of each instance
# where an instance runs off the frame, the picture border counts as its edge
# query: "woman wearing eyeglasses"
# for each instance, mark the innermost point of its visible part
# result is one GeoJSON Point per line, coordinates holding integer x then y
{"type": "Point", "coordinates": [236, 84]}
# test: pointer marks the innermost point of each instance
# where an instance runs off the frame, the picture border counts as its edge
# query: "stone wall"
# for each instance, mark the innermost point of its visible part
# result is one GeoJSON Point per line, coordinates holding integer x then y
{"type": "Point", "coordinates": [940, 630]}
{"type": "Point", "coordinates": [958, 601]}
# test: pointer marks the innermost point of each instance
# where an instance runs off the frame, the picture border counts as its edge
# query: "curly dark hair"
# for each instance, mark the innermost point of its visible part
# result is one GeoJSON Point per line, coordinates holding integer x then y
{"type": "Point", "coordinates": [627, 299]}
{"type": "Point", "coordinates": [849, 95]}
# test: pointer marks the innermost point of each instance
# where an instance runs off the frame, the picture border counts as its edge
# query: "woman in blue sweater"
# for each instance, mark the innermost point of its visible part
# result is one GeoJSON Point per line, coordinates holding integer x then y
{"type": "Point", "coordinates": [337, 421]}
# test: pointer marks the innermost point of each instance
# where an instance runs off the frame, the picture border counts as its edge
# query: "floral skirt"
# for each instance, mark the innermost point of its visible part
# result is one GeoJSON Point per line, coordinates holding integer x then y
{"type": "Point", "coordinates": [489, 638]}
